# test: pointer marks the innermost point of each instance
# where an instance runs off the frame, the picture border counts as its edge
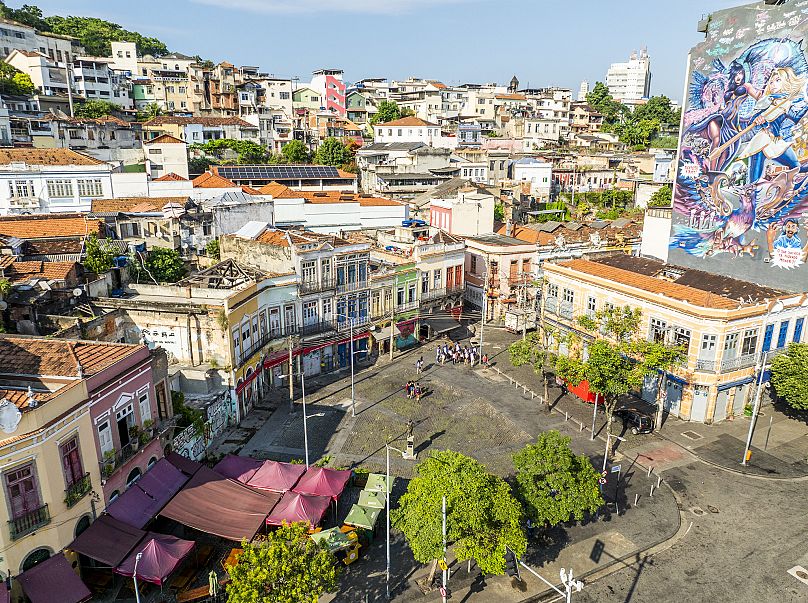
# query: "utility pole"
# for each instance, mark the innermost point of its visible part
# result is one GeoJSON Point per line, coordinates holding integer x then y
{"type": "Point", "coordinates": [392, 322]}
{"type": "Point", "coordinates": [353, 397]}
{"type": "Point", "coordinates": [445, 571]}
{"type": "Point", "coordinates": [291, 377]}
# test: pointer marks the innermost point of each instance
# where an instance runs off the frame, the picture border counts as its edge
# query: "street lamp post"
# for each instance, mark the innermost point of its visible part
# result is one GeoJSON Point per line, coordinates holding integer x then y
{"type": "Point", "coordinates": [567, 580]}
{"type": "Point", "coordinates": [306, 416]}
{"type": "Point", "coordinates": [777, 307]}
{"type": "Point", "coordinates": [388, 448]}
{"type": "Point", "coordinates": [606, 452]}
{"type": "Point", "coordinates": [353, 397]}
{"type": "Point", "coordinates": [134, 576]}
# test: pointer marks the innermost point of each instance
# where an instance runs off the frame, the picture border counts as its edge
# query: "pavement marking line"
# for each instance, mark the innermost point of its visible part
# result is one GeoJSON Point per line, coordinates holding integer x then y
{"type": "Point", "coordinates": [800, 573]}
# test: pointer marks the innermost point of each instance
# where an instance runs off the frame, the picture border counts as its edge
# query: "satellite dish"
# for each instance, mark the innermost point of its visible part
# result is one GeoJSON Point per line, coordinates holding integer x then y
{"type": "Point", "coordinates": [3, 305]}
{"type": "Point", "coordinates": [10, 416]}
{"type": "Point", "coordinates": [77, 292]}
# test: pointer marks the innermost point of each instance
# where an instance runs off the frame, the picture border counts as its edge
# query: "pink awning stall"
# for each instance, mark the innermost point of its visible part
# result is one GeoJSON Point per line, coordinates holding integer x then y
{"type": "Point", "coordinates": [275, 476]}
{"type": "Point", "coordinates": [299, 507]}
{"type": "Point", "coordinates": [240, 468]}
{"type": "Point", "coordinates": [320, 481]}
{"type": "Point", "coordinates": [161, 554]}
{"type": "Point", "coordinates": [53, 580]}
{"type": "Point", "coordinates": [183, 463]}
{"type": "Point", "coordinates": [138, 505]}
{"type": "Point", "coordinates": [107, 540]}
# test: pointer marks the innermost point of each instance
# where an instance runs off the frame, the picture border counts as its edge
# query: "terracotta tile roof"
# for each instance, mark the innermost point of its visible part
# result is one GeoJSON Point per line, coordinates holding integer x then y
{"type": "Point", "coordinates": [20, 399]}
{"type": "Point", "coordinates": [250, 190]}
{"type": "Point", "coordinates": [276, 238]}
{"type": "Point", "coordinates": [208, 180]}
{"type": "Point", "coordinates": [49, 247]}
{"type": "Point", "coordinates": [651, 284]}
{"type": "Point", "coordinates": [283, 238]}
{"type": "Point", "coordinates": [6, 261]}
{"type": "Point", "coordinates": [165, 139]}
{"type": "Point", "coordinates": [279, 191]}
{"type": "Point", "coordinates": [344, 174]}
{"type": "Point", "coordinates": [171, 177]}
{"type": "Point", "coordinates": [581, 235]}
{"type": "Point", "coordinates": [211, 122]}
{"type": "Point", "coordinates": [46, 157]}
{"type": "Point", "coordinates": [134, 204]}
{"type": "Point", "coordinates": [339, 197]}
{"type": "Point", "coordinates": [48, 226]}
{"type": "Point", "coordinates": [407, 121]}
{"type": "Point", "coordinates": [59, 357]}
{"type": "Point", "coordinates": [52, 271]}
{"type": "Point", "coordinates": [510, 97]}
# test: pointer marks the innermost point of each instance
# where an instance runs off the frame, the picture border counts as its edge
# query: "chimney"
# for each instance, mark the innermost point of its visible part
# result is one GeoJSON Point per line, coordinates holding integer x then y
{"type": "Point", "coordinates": [508, 228]}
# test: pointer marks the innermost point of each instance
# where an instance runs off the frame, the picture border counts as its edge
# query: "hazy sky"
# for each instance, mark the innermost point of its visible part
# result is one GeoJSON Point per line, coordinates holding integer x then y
{"type": "Point", "coordinates": [543, 42]}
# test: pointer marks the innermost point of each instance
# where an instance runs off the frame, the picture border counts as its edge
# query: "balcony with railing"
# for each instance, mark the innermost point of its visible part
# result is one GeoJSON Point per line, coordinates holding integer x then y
{"type": "Point", "coordinates": [706, 366]}
{"type": "Point", "coordinates": [78, 490]}
{"type": "Point", "coordinates": [317, 285]}
{"type": "Point", "coordinates": [551, 304]}
{"type": "Point", "coordinates": [741, 362]}
{"type": "Point", "coordinates": [317, 328]}
{"type": "Point", "coordinates": [351, 286]}
{"type": "Point", "coordinates": [275, 332]}
{"type": "Point", "coordinates": [357, 321]}
{"type": "Point", "coordinates": [28, 522]}
{"type": "Point", "coordinates": [115, 459]}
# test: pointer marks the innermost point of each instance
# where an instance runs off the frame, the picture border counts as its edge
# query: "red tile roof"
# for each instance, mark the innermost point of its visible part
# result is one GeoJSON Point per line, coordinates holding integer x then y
{"type": "Point", "coordinates": [279, 191]}
{"type": "Point", "coordinates": [131, 204]}
{"type": "Point", "coordinates": [170, 177]}
{"type": "Point", "coordinates": [46, 157]}
{"type": "Point", "coordinates": [208, 180]}
{"type": "Point", "coordinates": [165, 139]}
{"type": "Point", "coordinates": [52, 271]}
{"type": "Point", "coordinates": [408, 121]}
{"type": "Point", "coordinates": [176, 120]}
{"type": "Point", "coordinates": [49, 226]}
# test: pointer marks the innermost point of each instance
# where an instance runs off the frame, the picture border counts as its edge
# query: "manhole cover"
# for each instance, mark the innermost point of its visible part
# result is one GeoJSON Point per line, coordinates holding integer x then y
{"type": "Point", "coordinates": [697, 511]}
{"type": "Point", "coordinates": [712, 509]}
{"type": "Point", "coordinates": [691, 435]}
{"type": "Point", "coordinates": [800, 573]}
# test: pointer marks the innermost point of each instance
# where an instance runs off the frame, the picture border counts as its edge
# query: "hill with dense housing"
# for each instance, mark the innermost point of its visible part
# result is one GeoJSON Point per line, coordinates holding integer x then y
{"type": "Point", "coordinates": [94, 34]}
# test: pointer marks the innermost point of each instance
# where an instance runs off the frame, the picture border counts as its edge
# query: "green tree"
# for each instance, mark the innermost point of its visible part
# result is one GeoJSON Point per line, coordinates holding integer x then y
{"type": "Point", "coordinates": [789, 372]}
{"type": "Point", "coordinates": [553, 484]}
{"type": "Point", "coordinates": [99, 257]}
{"type": "Point", "coordinates": [26, 14]}
{"type": "Point", "coordinates": [295, 151]}
{"type": "Point", "coordinates": [499, 212]}
{"type": "Point", "coordinates": [162, 265]}
{"type": "Point", "coordinates": [482, 516]}
{"type": "Point", "coordinates": [658, 108]}
{"type": "Point", "coordinates": [93, 109]}
{"type": "Point", "coordinates": [287, 567]}
{"type": "Point", "coordinates": [197, 165]}
{"type": "Point", "coordinates": [619, 362]}
{"type": "Point", "coordinates": [601, 100]}
{"type": "Point", "coordinates": [332, 152]}
{"type": "Point", "coordinates": [14, 81]}
{"type": "Point", "coordinates": [246, 151]}
{"type": "Point", "coordinates": [150, 111]}
{"type": "Point", "coordinates": [386, 111]}
{"type": "Point", "coordinates": [662, 197]}
{"type": "Point", "coordinates": [535, 350]}
{"type": "Point", "coordinates": [212, 249]}
{"type": "Point", "coordinates": [5, 287]}
{"type": "Point", "coordinates": [97, 34]}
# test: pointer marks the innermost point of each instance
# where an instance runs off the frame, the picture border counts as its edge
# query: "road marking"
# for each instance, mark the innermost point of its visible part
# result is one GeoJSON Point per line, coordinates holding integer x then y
{"type": "Point", "coordinates": [800, 573]}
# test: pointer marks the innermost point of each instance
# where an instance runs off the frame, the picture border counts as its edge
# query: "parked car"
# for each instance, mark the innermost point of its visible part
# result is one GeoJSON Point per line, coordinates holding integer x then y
{"type": "Point", "coordinates": [636, 420]}
{"type": "Point", "coordinates": [410, 222]}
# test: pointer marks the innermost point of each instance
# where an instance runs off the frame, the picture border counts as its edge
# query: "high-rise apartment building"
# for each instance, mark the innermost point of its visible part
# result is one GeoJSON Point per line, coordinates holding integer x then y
{"type": "Point", "coordinates": [631, 81]}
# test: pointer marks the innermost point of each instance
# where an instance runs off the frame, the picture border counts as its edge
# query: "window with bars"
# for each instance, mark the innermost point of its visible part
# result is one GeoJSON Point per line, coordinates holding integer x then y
{"type": "Point", "coordinates": [90, 188]}
{"type": "Point", "coordinates": [60, 188]}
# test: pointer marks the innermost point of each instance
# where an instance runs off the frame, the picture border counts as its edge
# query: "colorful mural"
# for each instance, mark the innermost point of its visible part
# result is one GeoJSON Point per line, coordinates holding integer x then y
{"type": "Point", "coordinates": [741, 197]}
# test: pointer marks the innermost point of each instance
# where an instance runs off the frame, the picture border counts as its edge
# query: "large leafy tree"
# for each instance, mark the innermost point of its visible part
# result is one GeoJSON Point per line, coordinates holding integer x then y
{"type": "Point", "coordinates": [246, 151]}
{"type": "Point", "coordinates": [332, 152]}
{"type": "Point", "coordinates": [93, 109]}
{"type": "Point", "coordinates": [14, 81]}
{"type": "Point", "coordinates": [99, 258]}
{"type": "Point", "coordinates": [662, 197]}
{"type": "Point", "coordinates": [97, 34]}
{"type": "Point", "coordinates": [162, 265]}
{"type": "Point", "coordinates": [482, 516]}
{"type": "Point", "coordinates": [295, 151]}
{"type": "Point", "coordinates": [600, 99]}
{"type": "Point", "coordinates": [789, 375]}
{"type": "Point", "coordinates": [26, 14]}
{"type": "Point", "coordinates": [287, 567]}
{"type": "Point", "coordinates": [386, 111]}
{"type": "Point", "coordinates": [535, 350]}
{"type": "Point", "coordinates": [658, 108]}
{"type": "Point", "coordinates": [554, 484]}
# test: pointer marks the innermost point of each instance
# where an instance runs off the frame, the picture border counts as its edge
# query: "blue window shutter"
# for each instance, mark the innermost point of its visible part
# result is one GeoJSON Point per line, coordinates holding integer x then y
{"type": "Point", "coordinates": [781, 336]}
{"type": "Point", "coordinates": [767, 338]}
{"type": "Point", "coordinates": [798, 329]}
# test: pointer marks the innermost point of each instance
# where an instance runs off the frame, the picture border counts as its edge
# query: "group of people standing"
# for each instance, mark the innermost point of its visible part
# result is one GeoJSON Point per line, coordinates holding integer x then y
{"type": "Point", "coordinates": [458, 354]}
{"type": "Point", "coordinates": [415, 390]}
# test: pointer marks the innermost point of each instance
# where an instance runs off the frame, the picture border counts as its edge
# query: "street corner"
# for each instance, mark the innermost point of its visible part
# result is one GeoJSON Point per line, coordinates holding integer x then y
{"type": "Point", "coordinates": [660, 456]}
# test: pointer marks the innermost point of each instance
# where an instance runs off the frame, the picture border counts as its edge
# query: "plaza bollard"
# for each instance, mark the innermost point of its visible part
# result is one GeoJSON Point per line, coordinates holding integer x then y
{"type": "Point", "coordinates": [636, 498]}
{"type": "Point", "coordinates": [649, 471]}
{"type": "Point", "coordinates": [659, 481]}
{"type": "Point", "coordinates": [652, 490]}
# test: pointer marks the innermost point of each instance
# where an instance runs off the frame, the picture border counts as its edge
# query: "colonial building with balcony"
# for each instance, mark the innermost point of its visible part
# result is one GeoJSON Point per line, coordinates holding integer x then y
{"type": "Point", "coordinates": [53, 398]}
{"type": "Point", "coordinates": [729, 329]}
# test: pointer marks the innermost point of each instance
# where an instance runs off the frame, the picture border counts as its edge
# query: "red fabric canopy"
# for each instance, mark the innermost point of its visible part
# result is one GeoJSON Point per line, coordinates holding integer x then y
{"type": "Point", "coordinates": [138, 505]}
{"type": "Point", "coordinates": [183, 463]}
{"type": "Point", "coordinates": [323, 482]}
{"type": "Point", "coordinates": [240, 468]}
{"type": "Point", "coordinates": [107, 540]}
{"type": "Point", "coordinates": [275, 476]}
{"type": "Point", "coordinates": [299, 507]}
{"type": "Point", "coordinates": [161, 555]}
{"type": "Point", "coordinates": [53, 580]}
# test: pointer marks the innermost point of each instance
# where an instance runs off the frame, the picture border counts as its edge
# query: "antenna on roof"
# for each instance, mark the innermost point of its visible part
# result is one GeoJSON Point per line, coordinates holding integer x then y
{"type": "Point", "coordinates": [32, 402]}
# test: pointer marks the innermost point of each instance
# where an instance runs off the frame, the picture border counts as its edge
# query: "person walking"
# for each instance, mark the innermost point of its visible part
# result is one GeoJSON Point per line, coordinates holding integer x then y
{"type": "Point", "coordinates": [418, 391]}
{"type": "Point", "coordinates": [419, 366]}
{"type": "Point", "coordinates": [485, 360]}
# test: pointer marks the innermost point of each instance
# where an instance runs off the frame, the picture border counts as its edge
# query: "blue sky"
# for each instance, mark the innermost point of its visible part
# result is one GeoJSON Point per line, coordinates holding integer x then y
{"type": "Point", "coordinates": [544, 42]}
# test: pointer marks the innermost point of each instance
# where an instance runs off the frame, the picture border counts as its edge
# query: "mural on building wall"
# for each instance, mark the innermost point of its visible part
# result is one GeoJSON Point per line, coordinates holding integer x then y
{"type": "Point", "coordinates": [741, 198]}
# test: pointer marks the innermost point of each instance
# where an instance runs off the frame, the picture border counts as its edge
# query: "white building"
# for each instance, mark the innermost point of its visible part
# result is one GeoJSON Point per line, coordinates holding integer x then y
{"type": "Point", "coordinates": [470, 213]}
{"type": "Point", "coordinates": [94, 79]}
{"type": "Point", "coordinates": [51, 180]}
{"type": "Point", "coordinates": [630, 81]}
{"type": "Point", "coordinates": [48, 76]}
{"type": "Point", "coordinates": [166, 155]}
{"type": "Point", "coordinates": [409, 129]}
{"type": "Point", "coordinates": [583, 91]}
{"type": "Point", "coordinates": [536, 171]}
{"type": "Point", "coordinates": [16, 36]}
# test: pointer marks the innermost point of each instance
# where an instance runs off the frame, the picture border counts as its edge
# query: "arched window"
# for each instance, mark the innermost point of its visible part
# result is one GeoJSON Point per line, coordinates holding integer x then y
{"type": "Point", "coordinates": [133, 476]}
{"type": "Point", "coordinates": [151, 462]}
{"type": "Point", "coordinates": [82, 524]}
{"type": "Point", "coordinates": [35, 558]}
{"type": "Point", "coordinates": [114, 495]}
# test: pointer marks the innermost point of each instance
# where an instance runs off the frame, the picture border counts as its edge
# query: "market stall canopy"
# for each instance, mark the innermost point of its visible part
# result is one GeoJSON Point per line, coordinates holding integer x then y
{"type": "Point", "coordinates": [376, 482]}
{"type": "Point", "coordinates": [320, 481]}
{"type": "Point", "coordinates": [334, 538]}
{"type": "Point", "coordinates": [53, 580]}
{"type": "Point", "coordinates": [383, 333]}
{"type": "Point", "coordinates": [183, 463]}
{"type": "Point", "coordinates": [362, 517]}
{"type": "Point", "coordinates": [217, 505]}
{"type": "Point", "coordinates": [138, 505]}
{"type": "Point", "coordinates": [107, 540]}
{"type": "Point", "coordinates": [299, 507]}
{"type": "Point", "coordinates": [240, 468]}
{"type": "Point", "coordinates": [161, 554]}
{"type": "Point", "coordinates": [5, 596]}
{"type": "Point", "coordinates": [279, 477]}
{"type": "Point", "coordinates": [369, 498]}
{"type": "Point", "coordinates": [442, 324]}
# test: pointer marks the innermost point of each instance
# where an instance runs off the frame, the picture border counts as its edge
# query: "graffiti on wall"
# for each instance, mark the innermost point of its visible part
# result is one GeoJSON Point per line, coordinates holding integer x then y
{"type": "Point", "coordinates": [741, 195]}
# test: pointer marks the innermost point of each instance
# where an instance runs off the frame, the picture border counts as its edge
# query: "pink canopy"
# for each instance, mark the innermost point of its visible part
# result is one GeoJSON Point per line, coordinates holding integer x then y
{"type": "Point", "coordinates": [240, 468]}
{"type": "Point", "coordinates": [323, 482]}
{"type": "Point", "coordinates": [161, 554]}
{"type": "Point", "coordinates": [275, 476]}
{"type": "Point", "coordinates": [299, 507]}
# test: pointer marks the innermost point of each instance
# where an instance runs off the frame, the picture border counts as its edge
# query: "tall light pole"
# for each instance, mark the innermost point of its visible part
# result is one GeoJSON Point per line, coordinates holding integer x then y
{"type": "Point", "coordinates": [606, 452]}
{"type": "Point", "coordinates": [567, 580]}
{"type": "Point", "coordinates": [353, 397]}
{"type": "Point", "coordinates": [306, 416]}
{"type": "Point", "coordinates": [387, 489]}
{"type": "Point", "coordinates": [134, 576]}
{"type": "Point", "coordinates": [777, 307]}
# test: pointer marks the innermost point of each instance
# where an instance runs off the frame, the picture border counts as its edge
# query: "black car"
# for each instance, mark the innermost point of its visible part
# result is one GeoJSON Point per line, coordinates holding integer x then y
{"type": "Point", "coordinates": [636, 420]}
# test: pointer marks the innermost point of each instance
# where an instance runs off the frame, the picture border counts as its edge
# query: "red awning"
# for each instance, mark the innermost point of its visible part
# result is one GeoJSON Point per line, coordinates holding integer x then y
{"type": "Point", "coordinates": [320, 481]}
{"type": "Point", "coordinates": [279, 477]}
{"type": "Point", "coordinates": [183, 463]}
{"type": "Point", "coordinates": [107, 540]}
{"type": "Point", "coordinates": [279, 357]}
{"type": "Point", "coordinates": [217, 505]}
{"type": "Point", "coordinates": [299, 507]}
{"type": "Point", "coordinates": [160, 555]}
{"type": "Point", "coordinates": [144, 500]}
{"type": "Point", "coordinates": [240, 468]}
{"type": "Point", "coordinates": [54, 580]}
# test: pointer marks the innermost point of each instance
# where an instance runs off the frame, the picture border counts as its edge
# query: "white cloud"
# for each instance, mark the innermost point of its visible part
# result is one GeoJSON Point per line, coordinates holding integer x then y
{"type": "Point", "coordinates": [329, 6]}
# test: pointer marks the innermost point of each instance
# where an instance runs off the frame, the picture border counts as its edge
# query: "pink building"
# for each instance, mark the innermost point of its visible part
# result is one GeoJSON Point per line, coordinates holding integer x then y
{"type": "Point", "coordinates": [328, 82]}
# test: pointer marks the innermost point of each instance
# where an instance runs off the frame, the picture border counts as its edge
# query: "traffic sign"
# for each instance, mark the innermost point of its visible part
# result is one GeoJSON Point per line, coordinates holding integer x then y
{"type": "Point", "coordinates": [604, 474]}
{"type": "Point", "coordinates": [615, 468]}
{"type": "Point", "coordinates": [442, 564]}
{"type": "Point", "coordinates": [602, 481]}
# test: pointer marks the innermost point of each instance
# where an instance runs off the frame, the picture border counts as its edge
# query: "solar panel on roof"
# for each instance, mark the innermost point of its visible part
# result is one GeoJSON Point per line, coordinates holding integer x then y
{"type": "Point", "coordinates": [277, 172]}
